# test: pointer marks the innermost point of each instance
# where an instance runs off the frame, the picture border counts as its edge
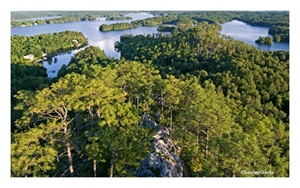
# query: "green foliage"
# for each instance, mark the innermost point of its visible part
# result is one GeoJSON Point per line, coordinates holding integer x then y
{"type": "Point", "coordinates": [91, 55]}
{"type": "Point", "coordinates": [245, 80]}
{"type": "Point", "coordinates": [30, 74]}
{"type": "Point", "coordinates": [280, 33]}
{"type": "Point", "coordinates": [119, 18]}
{"type": "Point", "coordinates": [139, 82]}
{"type": "Point", "coordinates": [155, 21]}
{"type": "Point", "coordinates": [30, 155]}
{"type": "Point", "coordinates": [186, 21]}
{"type": "Point", "coordinates": [265, 18]}
{"type": "Point", "coordinates": [226, 103]}
{"type": "Point", "coordinates": [116, 26]}
{"type": "Point", "coordinates": [278, 21]}
{"type": "Point", "coordinates": [95, 108]}
{"type": "Point", "coordinates": [163, 28]}
{"type": "Point", "coordinates": [44, 43]}
{"type": "Point", "coordinates": [264, 40]}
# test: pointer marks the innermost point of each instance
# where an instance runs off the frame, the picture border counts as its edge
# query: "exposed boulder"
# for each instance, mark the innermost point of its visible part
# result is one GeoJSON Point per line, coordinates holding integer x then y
{"type": "Point", "coordinates": [162, 161]}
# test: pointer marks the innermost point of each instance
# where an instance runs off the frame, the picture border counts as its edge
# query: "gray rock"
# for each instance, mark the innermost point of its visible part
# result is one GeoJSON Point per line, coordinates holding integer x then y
{"type": "Point", "coordinates": [145, 173]}
{"type": "Point", "coordinates": [146, 119]}
{"type": "Point", "coordinates": [144, 163]}
{"type": "Point", "coordinates": [162, 161]}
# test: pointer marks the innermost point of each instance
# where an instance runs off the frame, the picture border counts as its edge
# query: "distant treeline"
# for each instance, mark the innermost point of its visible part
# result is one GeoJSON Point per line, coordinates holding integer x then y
{"type": "Point", "coordinates": [278, 21]}
{"type": "Point", "coordinates": [20, 15]}
{"type": "Point", "coordinates": [65, 16]}
{"type": "Point", "coordinates": [156, 21]}
{"type": "Point", "coordinates": [49, 21]}
{"type": "Point", "coordinates": [118, 18]}
{"type": "Point", "coordinates": [280, 33]}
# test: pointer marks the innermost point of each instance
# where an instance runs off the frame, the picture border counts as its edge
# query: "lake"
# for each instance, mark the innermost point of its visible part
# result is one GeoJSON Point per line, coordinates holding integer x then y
{"type": "Point", "coordinates": [248, 34]}
{"type": "Point", "coordinates": [105, 40]}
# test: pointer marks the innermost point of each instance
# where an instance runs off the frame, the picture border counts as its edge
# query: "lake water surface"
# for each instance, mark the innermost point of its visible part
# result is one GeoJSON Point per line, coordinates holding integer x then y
{"type": "Point", "coordinates": [248, 34]}
{"type": "Point", "coordinates": [105, 40]}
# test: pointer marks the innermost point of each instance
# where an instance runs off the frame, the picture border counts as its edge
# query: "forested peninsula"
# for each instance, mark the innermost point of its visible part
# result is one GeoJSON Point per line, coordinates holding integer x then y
{"type": "Point", "coordinates": [209, 105]}
{"type": "Point", "coordinates": [44, 44]}
{"type": "Point", "coordinates": [278, 21]}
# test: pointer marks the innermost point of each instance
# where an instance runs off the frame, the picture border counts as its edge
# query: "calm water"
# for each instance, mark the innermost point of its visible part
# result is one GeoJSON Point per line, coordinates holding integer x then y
{"type": "Point", "coordinates": [248, 34]}
{"type": "Point", "coordinates": [105, 40]}
{"type": "Point", "coordinates": [54, 64]}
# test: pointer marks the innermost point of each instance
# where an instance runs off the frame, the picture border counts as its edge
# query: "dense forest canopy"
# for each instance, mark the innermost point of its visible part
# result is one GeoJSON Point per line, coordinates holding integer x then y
{"type": "Point", "coordinates": [225, 103]}
{"type": "Point", "coordinates": [29, 74]}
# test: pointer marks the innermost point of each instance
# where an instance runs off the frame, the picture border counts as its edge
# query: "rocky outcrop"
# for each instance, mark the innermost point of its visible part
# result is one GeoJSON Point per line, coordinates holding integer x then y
{"type": "Point", "coordinates": [163, 160]}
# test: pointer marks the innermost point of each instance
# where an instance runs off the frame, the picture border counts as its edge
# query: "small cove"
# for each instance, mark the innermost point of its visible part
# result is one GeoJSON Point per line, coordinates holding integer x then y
{"type": "Point", "coordinates": [248, 34]}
